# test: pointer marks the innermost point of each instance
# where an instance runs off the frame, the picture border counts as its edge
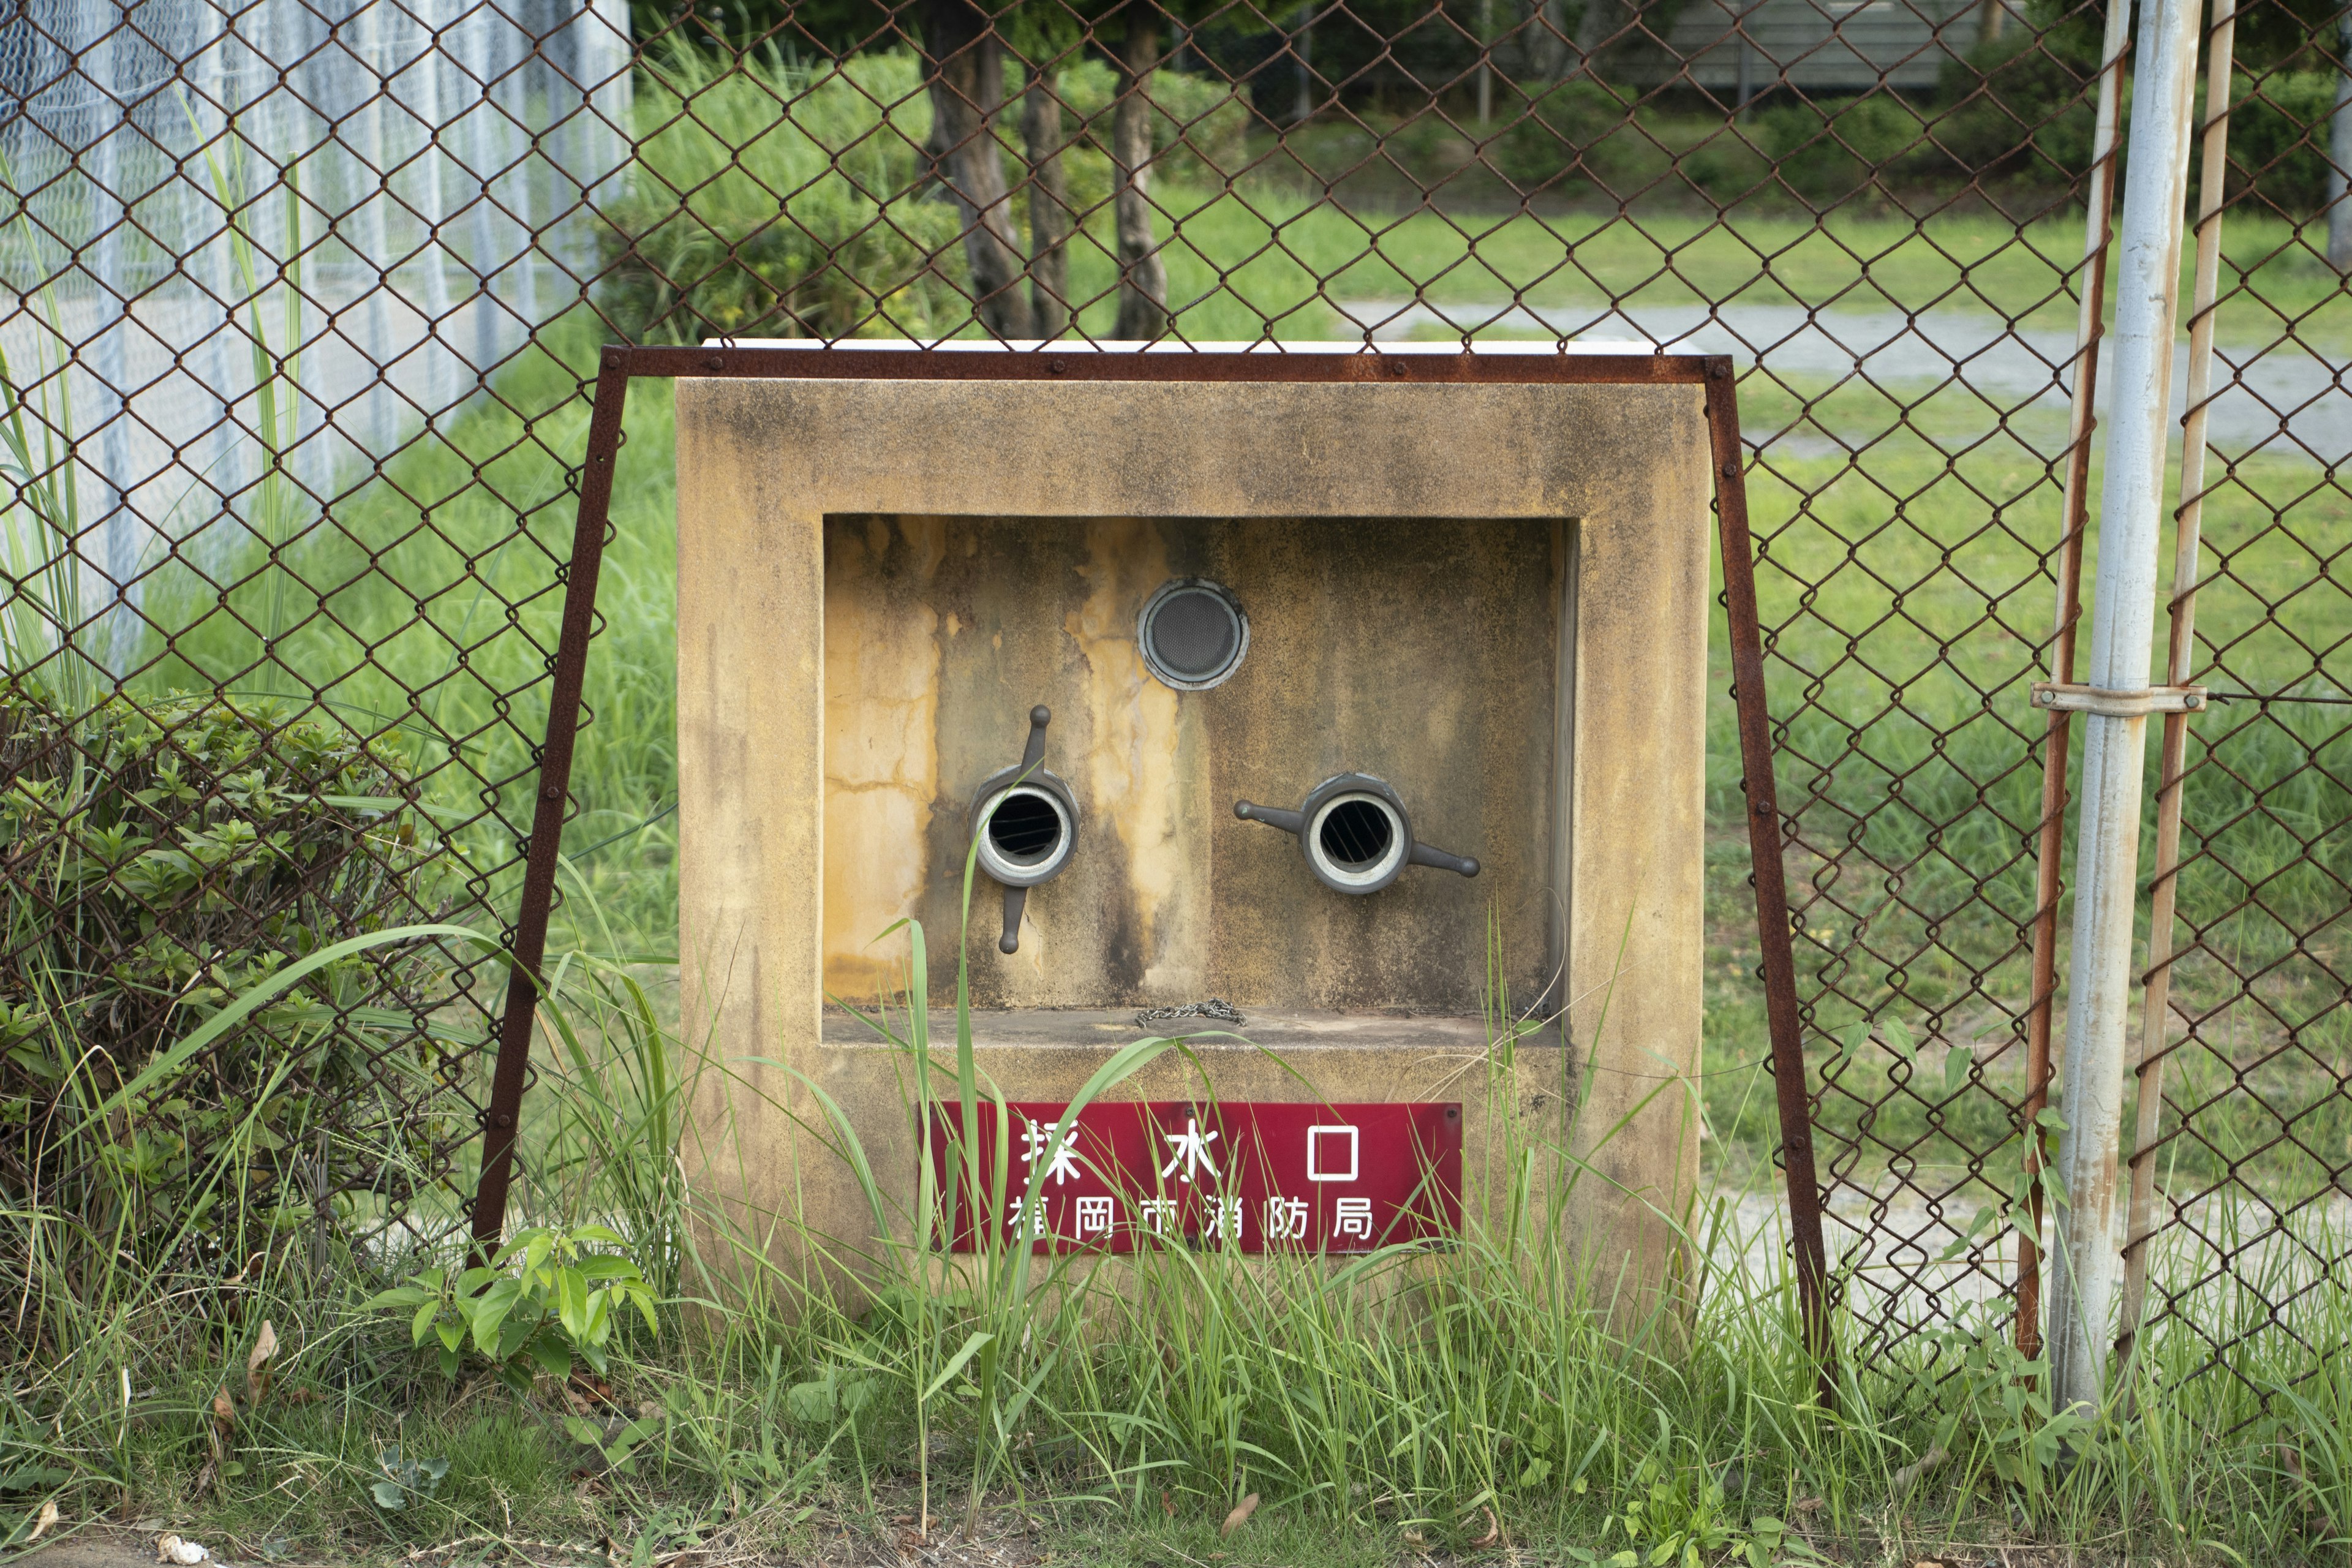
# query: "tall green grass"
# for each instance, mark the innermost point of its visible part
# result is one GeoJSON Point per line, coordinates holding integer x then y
{"type": "Point", "coordinates": [1499, 1393]}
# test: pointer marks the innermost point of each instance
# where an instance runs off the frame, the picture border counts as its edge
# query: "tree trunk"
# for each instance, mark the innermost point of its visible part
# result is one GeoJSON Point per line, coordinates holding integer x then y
{"type": "Point", "coordinates": [1049, 208]}
{"type": "Point", "coordinates": [966, 74]}
{"type": "Point", "coordinates": [1485, 60]}
{"type": "Point", "coordinates": [1605, 29]}
{"type": "Point", "coordinates": [2339, 156]}
{"type": "Point", "coordinates": [1142, 276]}
{"type": "Point", "coordinates": [1543, 39]}
{"type": "Point", "coordinates": [1302, 49]}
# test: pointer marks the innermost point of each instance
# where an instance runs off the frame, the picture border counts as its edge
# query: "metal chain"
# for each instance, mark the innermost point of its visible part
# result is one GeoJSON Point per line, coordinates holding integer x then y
{"type": "Point", "coordinates": [1214, 1007]}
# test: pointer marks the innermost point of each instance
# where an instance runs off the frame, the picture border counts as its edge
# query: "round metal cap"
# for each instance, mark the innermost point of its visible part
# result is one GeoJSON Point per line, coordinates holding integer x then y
{"type": "Point", "coordinates": [1193, 634]}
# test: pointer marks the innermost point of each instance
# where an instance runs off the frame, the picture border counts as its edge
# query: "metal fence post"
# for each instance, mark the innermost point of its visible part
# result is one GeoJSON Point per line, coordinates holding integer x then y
{"type": "Point", "coordinates": [2123, 621]}
{"type": "Point", "coordinates": [2180, 657]}
{"type": "Point", "coordinates": [567, 666]}
{"type": "Point", "coordinates": [2049, 840]}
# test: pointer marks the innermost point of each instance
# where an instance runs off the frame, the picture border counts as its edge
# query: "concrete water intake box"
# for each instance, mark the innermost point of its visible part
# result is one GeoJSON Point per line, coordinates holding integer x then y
{"type": "Point", "coordinates": [1359, 705]}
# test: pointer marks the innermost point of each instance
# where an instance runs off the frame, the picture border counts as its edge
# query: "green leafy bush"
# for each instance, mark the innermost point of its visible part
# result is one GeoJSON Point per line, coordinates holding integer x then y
{"type": "Point", "coordinates": [2020, 109]}
{"type": "Point", "coordinates": [163, 858]}
{"type": "Point", "coordinates": [2278, 139]}
{"type": "Point", "coordinates": [1826, 151]}
{"type": "Point", "coordinates": [781, 201]}
{"type": "Point", "coordinates": [1199, 128]}
{"type": "Point", "coordinates": [406, 1476]}
{"type": "Point", "coordinates": [1579, 133]}
{"type": "Point", "coordinates": [545, 1299]}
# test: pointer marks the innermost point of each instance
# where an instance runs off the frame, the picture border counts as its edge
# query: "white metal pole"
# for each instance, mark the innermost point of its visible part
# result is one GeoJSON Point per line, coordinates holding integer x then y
{"type": "Point", "coordinates": [2155, 1011]}
{"type": "Point", "coordinates": [2122, 623]}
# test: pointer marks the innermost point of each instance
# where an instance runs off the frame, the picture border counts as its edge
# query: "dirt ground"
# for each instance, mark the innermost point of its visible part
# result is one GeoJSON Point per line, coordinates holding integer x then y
{"type": "Point", "coordinates": [120, 1546]}
{"type": "Point", "coordinates": [1009, 1539]}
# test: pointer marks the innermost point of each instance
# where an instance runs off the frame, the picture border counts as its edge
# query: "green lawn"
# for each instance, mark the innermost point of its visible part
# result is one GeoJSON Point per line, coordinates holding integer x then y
{"type": "Point", "coordinates": [1260, 263]}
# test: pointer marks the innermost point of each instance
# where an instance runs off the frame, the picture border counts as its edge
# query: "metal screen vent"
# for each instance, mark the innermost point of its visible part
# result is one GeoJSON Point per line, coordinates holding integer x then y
{"type": "Point", "coordinates": [1193, 634]}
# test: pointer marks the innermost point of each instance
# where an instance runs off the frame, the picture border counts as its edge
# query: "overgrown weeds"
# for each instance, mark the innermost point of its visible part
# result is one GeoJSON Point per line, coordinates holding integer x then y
{"type": "Point", "coordinates": [1497, 1393]}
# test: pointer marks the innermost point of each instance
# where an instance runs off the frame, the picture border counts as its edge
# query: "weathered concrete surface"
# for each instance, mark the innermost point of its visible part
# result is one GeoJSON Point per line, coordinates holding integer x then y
{"type": "Point", "coordinates": [1623, 473]}
{"type": "Point", "coordinates": [1425, 655]}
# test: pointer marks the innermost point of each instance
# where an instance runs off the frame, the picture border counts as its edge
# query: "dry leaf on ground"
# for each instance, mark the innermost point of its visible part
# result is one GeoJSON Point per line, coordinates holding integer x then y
{"type": "Point", "coordinates": [257, 1364]}
{"type": "Point", "coordinates": [1908, 1476]}
{"type": "Point", "coordinates": [49, 1516]}
{"type": "Point", "coordinates": [1240, 1516]}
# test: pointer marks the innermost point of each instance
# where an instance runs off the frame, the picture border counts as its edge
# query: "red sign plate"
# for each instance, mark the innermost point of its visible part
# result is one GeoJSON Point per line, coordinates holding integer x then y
{"type": "Point", "coordinates": [1249, 1177]}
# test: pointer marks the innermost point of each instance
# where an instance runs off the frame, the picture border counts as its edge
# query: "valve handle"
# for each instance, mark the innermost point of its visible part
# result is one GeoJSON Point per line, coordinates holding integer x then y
{"type": "Point", "coordinates": [1290, 822]}
{"type": "Point", "coordinates": [1294, 822]}
{"type": "Point", "coordinates": [1424, 855]}
{"type": "Point", "coordinates": [1017, 899]}
{"type": "Point", "coordinates": [1034, 751]}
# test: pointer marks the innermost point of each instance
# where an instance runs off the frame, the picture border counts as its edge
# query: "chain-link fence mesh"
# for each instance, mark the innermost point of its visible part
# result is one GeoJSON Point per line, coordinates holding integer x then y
{"type": "Point", "coordinates": [301, 298]}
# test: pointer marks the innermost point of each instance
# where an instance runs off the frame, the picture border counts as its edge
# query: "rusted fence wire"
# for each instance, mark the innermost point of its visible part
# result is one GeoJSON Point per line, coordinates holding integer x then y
{"type": "Point", "coordinates": [302, 299]}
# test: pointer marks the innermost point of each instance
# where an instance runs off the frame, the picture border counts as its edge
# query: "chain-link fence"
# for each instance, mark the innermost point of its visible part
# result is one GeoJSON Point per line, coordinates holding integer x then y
{"type": "Point", "coordinates": [302, 300]}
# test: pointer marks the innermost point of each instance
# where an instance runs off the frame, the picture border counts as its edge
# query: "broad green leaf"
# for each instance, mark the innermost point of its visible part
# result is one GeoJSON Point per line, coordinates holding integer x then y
{"type": "Point", "coordinates": [810, 1403]}
{"type": "Point", "coordinates": [1957, 1063]}
{"type": "Point", "coordinates": [554, 1357]}
{"type": "Point", "coordinates": [598, 1326]}
{"type": "Point", "coordinates": [490, 1318]}
{"type": "Point", "coordinates": [972, 1347]}
{"type": "Point", "coordinates": [1898, 1039]}
{"type": "Point", "coordinates": [405, 1295]}
{"type": "Point", "coordinates": [572, 1302]}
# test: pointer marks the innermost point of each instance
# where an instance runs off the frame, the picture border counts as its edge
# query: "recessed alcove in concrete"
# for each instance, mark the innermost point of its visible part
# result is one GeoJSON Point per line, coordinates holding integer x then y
{"type": "Point", "coordinates": [1492, 597]}
{"type": "Point", "coordinates": [1425, 652]}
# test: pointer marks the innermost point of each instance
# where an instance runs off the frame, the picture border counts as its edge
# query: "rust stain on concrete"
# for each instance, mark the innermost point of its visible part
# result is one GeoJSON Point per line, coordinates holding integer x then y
{"type": "Point", "coordinates": [881, 759]}
{"type": "Point", "coordinates": [1133, 746]}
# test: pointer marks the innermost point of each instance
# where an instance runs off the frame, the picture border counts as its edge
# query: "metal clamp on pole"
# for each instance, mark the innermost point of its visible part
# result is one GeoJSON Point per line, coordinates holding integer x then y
{"type": "Point", "coordinates": [2056, 696]}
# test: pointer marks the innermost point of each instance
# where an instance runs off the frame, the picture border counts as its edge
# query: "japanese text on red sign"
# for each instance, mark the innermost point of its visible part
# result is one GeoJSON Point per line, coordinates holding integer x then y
{"type": "Point", "coordinates": [1250, 1177]}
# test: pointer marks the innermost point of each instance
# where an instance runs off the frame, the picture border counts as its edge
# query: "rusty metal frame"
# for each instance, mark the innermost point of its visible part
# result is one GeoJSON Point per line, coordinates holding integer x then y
{"type": "Point", "coordinates": [1712, 374]}
{"type": "Point", "coordinates": [528, 949]}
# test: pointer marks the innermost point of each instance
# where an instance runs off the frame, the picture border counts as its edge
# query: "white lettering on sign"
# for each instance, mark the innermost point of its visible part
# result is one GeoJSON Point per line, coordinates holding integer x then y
{"type": "Point", "coordinates": [1034, 1138]}
{"type": "Point", "coordinates": [1036, 1222]}
{"type": "Point", "coordinates": [1191, 1147]}
{"type": "Point", "coordinates": [1158, 1212]}
{"type": "Point", "coordinates": [1094, 1216]}
{"type": "Point", "coordinates": [1354, 1217]}
{"type": "Point", "coordinates": [1285, 1219]}
{"type": "Point", "coordinates": [1223, 1218]}
{"type": "Point", "coordinates": [1326, 1146]}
